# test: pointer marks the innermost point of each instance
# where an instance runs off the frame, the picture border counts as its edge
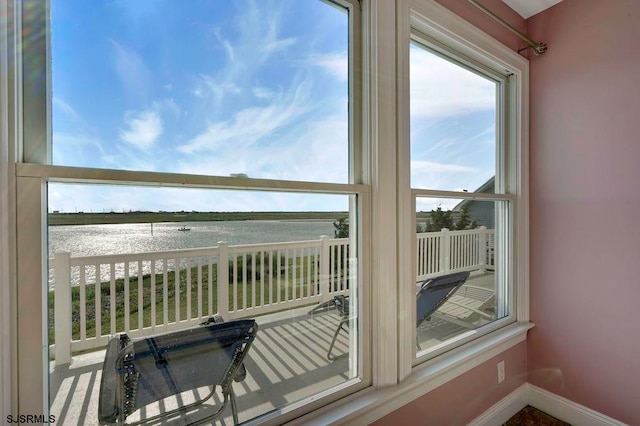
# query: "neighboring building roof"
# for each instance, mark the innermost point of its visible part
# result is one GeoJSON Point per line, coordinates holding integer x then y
{"type": "Point", "coordinates": [486, 187]}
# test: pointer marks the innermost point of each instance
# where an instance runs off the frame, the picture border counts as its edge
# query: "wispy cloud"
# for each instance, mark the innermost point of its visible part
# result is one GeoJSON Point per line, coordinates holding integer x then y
{"type": "Point", "coordinates": [226, 44]}
{"type": "Point", "coordinates": [430, 166]}
{"type": "Point", "coordinates": [452, 177]}
{"type": "Point", "coordinates": [263, 93]}
{"type": "Point", "coordinates": [440, 88]}
{"type": "Point", "coordinates": [166, 105]}
{"type": "Point", "coordinates": [73, 149]}
{"type": "Point", "coordinates": [278, 44]}
{"type": "Point", "coordinates": [208, 84]}
{"type": "Point", "coordinates": [336, 64]}
{"type": "Point", "coordinates": [256, 39]}
{"type": "Point", "coordinates": [271, 26]}
{"type": "Point", "coordinates": [65, 108]}
{"type": "Point", "coordinates": [131, 68]}
{"type": "Point", "coordinates": [250, 125]}
{"type": "Point", "coordinates": [142, 129]}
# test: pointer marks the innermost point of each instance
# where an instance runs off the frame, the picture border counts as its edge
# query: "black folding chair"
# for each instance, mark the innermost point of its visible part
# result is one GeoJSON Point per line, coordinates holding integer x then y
{"type": "Point", "coordinates": [139, 372]}
{"type": "Point", "coordinates": [341, 303]}
{"type": "Point", "coordinates": [434, 292]}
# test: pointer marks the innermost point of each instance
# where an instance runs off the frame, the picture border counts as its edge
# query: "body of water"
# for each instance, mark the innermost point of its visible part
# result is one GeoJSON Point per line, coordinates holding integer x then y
{"type": "Point", "coordinates": [93, 240]}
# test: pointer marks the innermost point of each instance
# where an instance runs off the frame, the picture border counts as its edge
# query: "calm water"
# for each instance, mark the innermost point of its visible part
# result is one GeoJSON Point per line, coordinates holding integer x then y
{"type": "Point", "coordinates": [91, 240]}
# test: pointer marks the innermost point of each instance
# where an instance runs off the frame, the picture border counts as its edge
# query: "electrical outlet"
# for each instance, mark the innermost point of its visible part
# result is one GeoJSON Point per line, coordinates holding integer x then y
{"type": "Point", "coordinates": [500, 371]}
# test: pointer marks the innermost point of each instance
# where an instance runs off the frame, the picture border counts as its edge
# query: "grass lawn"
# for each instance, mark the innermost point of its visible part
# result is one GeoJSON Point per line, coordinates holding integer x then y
{"type": "Point", "coordinates": [303, 269]}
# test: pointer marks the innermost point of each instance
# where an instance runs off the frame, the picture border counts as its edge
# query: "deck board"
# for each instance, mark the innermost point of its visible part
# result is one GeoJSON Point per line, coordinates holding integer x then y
{"type": "Point", "coordinates": [287, 363]}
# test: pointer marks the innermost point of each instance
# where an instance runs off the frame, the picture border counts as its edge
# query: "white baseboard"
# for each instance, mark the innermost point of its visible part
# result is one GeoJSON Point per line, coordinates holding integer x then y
{"type": "Point", "coordinates": [504, 409]}
{"type": "Point", "coordinates": [552, 404]}
{"type": "Point", "coordinates": [567, 410]}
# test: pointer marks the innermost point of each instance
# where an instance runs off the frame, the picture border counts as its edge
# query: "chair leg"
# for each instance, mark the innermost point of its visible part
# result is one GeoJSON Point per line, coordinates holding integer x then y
{"type": "Point", "coordinates": [333, 341]}
{"type": "Point", "coordinates": [234, 407]}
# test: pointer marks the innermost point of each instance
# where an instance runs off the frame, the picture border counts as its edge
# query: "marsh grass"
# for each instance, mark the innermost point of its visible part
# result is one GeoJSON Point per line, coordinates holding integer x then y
{"type": "Point", "coordinates": [290, 286]}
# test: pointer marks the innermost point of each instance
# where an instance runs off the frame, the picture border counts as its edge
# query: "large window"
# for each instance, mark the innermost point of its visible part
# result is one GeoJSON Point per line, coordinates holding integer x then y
{"type": "Point", "coordinates": [462, 191]}
{"type": "Point", "coordinates": [308, 164]}
{"type": "Point", "coordinates": [243, 112]}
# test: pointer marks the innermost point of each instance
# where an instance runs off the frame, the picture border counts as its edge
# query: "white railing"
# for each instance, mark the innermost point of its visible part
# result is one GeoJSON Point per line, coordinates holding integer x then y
{"type": "Point", "coordinates": [144, 293]}
{"type": "Point", "coordinates": [169, 290]}
{"type": "Point", "coordinates": [452, 251]}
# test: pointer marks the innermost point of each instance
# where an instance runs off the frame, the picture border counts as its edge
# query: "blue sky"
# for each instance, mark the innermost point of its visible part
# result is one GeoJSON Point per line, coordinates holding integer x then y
{"type": "Point", "coordinates": [220, 87]}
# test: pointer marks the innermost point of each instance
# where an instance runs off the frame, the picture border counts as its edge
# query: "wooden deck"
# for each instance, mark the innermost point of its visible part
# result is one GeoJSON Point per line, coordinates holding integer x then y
{"type": "Point", "coordinates": [288, 362]}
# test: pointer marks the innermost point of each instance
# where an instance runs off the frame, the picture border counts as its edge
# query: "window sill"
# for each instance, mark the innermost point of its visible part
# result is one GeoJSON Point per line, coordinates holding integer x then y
{"type": "Point", "coordinates": [369, 405]}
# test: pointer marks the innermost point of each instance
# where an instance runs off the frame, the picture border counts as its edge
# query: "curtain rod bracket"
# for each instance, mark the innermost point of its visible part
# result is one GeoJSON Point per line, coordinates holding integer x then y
{"type": "Point", "coordinates": [538, 48]}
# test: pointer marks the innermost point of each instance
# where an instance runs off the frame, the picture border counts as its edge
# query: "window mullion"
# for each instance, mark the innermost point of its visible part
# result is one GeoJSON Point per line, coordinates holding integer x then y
{"type": "Point", "coordinates": [380, 91]}
{"type": "Point", "coordinates": [405, 201]}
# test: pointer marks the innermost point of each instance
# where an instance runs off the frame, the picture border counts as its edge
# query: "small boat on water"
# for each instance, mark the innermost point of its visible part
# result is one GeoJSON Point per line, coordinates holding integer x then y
{"type": "Point", "coordinates": [184, 228]}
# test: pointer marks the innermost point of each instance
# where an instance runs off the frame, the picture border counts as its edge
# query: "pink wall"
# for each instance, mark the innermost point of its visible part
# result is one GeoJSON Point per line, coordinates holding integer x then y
{"type": "Point", "coordinates": [585, 205]}
{"type": "Point", "coordinates": [465, 398]}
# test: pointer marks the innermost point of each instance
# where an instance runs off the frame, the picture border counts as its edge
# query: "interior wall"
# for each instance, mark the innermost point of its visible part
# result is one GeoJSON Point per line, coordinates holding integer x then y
{"type": "Point", "coordinates": [585, 205]}
{"type": "Point", "coordinates": [466, 397]}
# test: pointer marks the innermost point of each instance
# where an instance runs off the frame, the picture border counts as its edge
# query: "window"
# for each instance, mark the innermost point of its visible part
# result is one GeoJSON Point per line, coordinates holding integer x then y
{"type": "Point", "coordinates": [457, 145]}
{"type": "Point", "coordinates": [462, 189]}
{"type": "Point", "coordinates": [171, 164]}
{"type": "Point", "coordinates": [204, 162]}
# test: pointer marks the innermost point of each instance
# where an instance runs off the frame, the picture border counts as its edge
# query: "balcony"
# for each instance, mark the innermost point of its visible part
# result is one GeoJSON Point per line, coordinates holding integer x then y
{"type": "Point", "coordinates": [277, 284]}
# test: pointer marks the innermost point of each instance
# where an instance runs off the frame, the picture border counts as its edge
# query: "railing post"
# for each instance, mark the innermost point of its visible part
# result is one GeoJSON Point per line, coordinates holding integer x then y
{"type": "Point", "coordinates": [62, 301]}
{"type": "Point", "coordinates": [445, 254]}
{"type": "Point", "coordinates": [482, 237]}
{"type": "Point", "coordinates": [325, 261]}
{"type": "Point", "coordinates": [223, 279]}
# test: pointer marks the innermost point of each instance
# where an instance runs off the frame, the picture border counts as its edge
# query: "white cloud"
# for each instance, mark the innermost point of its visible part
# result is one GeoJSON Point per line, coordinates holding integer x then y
{"type": "Point", "coordinates": [166, 105]}
{"type": "Point", "coordinates": [228, 47]}
{"type": "Point", "coordinates": [142, 129]}
{"type": "Point", "coordinates": [336, 64]}
{"type": "Point", "coordinates": [256, 38]}
{"type": "Point", "coordinates": [218, 89]}
{"type": "Point", "coordinates": [440, 88]}
{"type": "Point", "coordinates": [131, 69]}
{"type": "Point", "coordinates": [278, 44]}
{"type": "Point", "coordinates": [418, 166]}
{"type": "Point", "coordinates": [310, 150]}
{"type": "Point", "coordinates": [451, 177]}
{"type": "Point", "coordinates": [263, 93]}
{"type": "Point", "coordinates": [250, 125]}
{"type": "Point", "coordinates": [271, 23]}
{"type": "Point", "coordinates": [77, 149]}
{"type": "Point", "coordinates": [65, 108]}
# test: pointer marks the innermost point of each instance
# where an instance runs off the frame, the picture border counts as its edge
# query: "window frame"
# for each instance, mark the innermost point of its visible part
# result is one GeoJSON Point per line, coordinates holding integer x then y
{"type": "Point", "coordinates": [504, 276]}
{"type": "Point", "coordinates": [380, 117]}
{"type": "Point", "coordinates": [427, 22]}
{"type": "Point", "coordinates": [33, 170]}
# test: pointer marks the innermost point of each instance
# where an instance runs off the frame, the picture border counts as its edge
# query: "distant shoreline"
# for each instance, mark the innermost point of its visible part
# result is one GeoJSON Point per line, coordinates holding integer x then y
{"type": "Point", "coordinates": [58, 219]}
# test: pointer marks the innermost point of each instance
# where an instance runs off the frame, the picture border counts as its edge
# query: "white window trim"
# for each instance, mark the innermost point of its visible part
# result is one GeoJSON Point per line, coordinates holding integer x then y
{"type": "Point", "coordinates": [7, 217]}
{"type": "Point", "coordinates": [10, 105]}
